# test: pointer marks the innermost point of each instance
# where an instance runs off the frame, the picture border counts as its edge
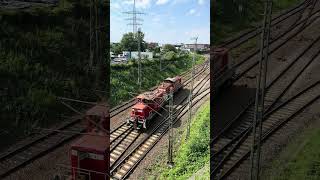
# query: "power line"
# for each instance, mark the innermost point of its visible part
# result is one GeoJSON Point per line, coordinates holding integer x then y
{"type": "Point", "coordinates": [191, 89]}
{"type": "Point", "coordinates": [170, 162]}
{"type": "Point", "coordinates": [134, 21]}
{"type": "Point", "coordinates": [260, 93]}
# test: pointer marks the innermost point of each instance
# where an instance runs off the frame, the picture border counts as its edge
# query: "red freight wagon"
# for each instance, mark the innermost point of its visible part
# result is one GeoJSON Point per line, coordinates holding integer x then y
{"type": "Point", "coordinates": [175, 83]}
{"type": "Point", "coordinates": [223, 72]}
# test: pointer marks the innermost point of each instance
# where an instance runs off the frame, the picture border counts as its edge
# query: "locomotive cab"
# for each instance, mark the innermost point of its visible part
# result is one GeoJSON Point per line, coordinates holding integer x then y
{"type": "Point", "coordinates": [144, 110]}
{"type": "Point", "coordinates": [138, 115]}
{"type": "Point", "coordinates": [149, 103]}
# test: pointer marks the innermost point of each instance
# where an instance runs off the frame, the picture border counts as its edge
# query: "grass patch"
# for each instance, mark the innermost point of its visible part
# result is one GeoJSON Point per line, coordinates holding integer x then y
{"type": "Point", "coordinates": [191, 155]}
{"type": "Point", "coordinates": [124, 77]}
{"type": "Point", "coordinates": [299, 160]}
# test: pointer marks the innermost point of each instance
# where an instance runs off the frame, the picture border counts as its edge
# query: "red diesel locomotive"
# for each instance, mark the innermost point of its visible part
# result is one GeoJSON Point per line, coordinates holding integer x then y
{"type": "Point", "coordinates": [223, 72]}
{"type": "Point", "coordinates": [148, 103]}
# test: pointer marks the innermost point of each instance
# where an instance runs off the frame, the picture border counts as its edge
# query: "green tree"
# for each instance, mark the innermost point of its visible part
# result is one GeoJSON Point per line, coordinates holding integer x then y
{"type": "Point", "coordinates": [130, 43]}
{"type": "Point", "coordinates": [169, 47]}
{"type": "Point", "coordinates": [116, 48]}
{"type": "Point", "coordinates": [156, 50]}
{"type": "Point", "coordinates": [170, 55]}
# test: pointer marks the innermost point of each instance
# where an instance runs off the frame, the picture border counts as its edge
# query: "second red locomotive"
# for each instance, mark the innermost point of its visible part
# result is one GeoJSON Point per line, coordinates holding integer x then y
{"type": "Point", "coordinates": [223, 72]}
{"type": "Point", "coordinates": [148, 103]}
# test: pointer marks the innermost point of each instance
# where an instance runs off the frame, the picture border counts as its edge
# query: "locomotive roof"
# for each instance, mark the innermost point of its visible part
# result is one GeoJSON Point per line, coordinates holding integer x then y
{"type": "Point", "coordinates": [171, 79]}
{"type": "Point", "coordinates": [95, 143]}
{"type": "Point", "coordinates": [101, 109]}
{"type": "Point", "coordinates": [139, 106]}
{"type": "Point", "coordinates": [174, 79]}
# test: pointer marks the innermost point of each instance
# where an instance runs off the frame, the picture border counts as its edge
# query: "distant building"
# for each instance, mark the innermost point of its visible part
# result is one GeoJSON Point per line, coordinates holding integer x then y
{"type": "Point", "coordinates": [178, 46]}
{"type": "Point", "coordinates": [152, 45]}
{"type": "Point", "coordinates": [135, 55]}
{"type": "Point", "coordinates": [201, 47]}
{"type": "Point", "coordinates": [185, 50]}
{"type": "Point", "coordinates": [112, 55]}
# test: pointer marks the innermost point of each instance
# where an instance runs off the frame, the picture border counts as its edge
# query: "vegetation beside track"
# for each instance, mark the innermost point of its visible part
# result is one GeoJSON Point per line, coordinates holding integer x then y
{"type": "Point", "coordinates": [124, 77]}
{"type": "Point", "coordinates": [43, 54]}
{"type": "Point", "coordinates": [189, 155]}
{"type": "Point", "coordinates": [299, 160]}
{"type": "Point", "coordinates": [230, 19]}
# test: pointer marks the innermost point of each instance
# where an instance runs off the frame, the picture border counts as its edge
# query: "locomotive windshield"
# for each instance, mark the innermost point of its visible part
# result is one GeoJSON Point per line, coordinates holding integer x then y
{"type": "Point", "coordinates": [145, 101]}
{"type": "Point", "coordinates": [148, 101]}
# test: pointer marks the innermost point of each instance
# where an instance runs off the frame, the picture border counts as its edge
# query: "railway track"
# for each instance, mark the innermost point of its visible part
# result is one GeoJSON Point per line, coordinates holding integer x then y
{"type": "Point", "coordinates": [244, 66]}
{"type": "Point", "coordinates": [252, 33]}
{"type": "Point", "coordinates": [125, 166]}
{"type": "Point", "coordinates": [235, 134]}
{"type": "Point", "coordinates": [124, 106]}
{"type": "Point", "coordinates": [118, 150]}
{"type": "Point", "coordinates": [184, 84]}
{"type": "Point", "coordinates": [21, 156]}
{"type": "Point", "coordinates": [114, 111]}
{"type": "Point", "coordinates": [273, 121]}
{"type": "Point", "coordinates": [48, 141]}
{"type": "Point", "coordinates": [235, 42]}
{"type": "Point", "coordinates": [38, 146]}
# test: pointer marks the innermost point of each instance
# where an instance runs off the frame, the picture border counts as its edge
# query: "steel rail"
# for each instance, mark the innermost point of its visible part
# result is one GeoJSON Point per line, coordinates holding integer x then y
{"type": "Point", "coordinates": [246, 59]}
{"type": "Point", "coordinates": [277, 125]}
{"type": "Point", "coordinates": [199, 84]}
{"type": "Point", "coordinates": [244, 133]}
{"type": "Point", "coordinates": [254, 32]}
{"type": "Point", "coordinates": [157, 128]}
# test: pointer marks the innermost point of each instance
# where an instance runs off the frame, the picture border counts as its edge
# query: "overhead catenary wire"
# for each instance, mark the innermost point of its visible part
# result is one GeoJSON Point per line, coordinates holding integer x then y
{"type": "Point", "coordinates": [170, 162]}
{"type": "Point", "coordinates": [260, 93]}
{"type": "Point", "coordinates": [191, 89]}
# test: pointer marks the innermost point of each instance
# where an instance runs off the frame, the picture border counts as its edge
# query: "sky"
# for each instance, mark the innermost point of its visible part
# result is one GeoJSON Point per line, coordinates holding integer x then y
{"type": "Point", "coordinates": [164, 21]}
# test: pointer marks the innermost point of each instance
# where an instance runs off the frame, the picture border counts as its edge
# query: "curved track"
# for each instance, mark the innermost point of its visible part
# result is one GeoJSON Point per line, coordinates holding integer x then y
{"type": "Point", "coordinates": [240, 148]}
{"type": "Point", "coordinates": [125, 166]}
{"type": "Point", "coordinates": [245, 65]}
{"type": "Point", "coordinates": [235, 42]}
{"type": "Point", "coordinates": [235, 139]}
{"type": "Point", "coordinates": [23, 154]}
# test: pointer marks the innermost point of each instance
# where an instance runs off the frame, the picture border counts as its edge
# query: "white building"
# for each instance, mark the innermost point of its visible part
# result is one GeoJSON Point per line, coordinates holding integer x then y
{"type": "Point", "coordinates": [135, 54]}
{"type": "Point", "coordinates": [200, 47]}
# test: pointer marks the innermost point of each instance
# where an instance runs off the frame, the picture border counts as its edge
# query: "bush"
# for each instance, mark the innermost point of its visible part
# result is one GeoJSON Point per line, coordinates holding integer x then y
{"type": "Point", "coordinates": [169, 55]}
{"type": "Point", "coordinates": [193, 153]}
